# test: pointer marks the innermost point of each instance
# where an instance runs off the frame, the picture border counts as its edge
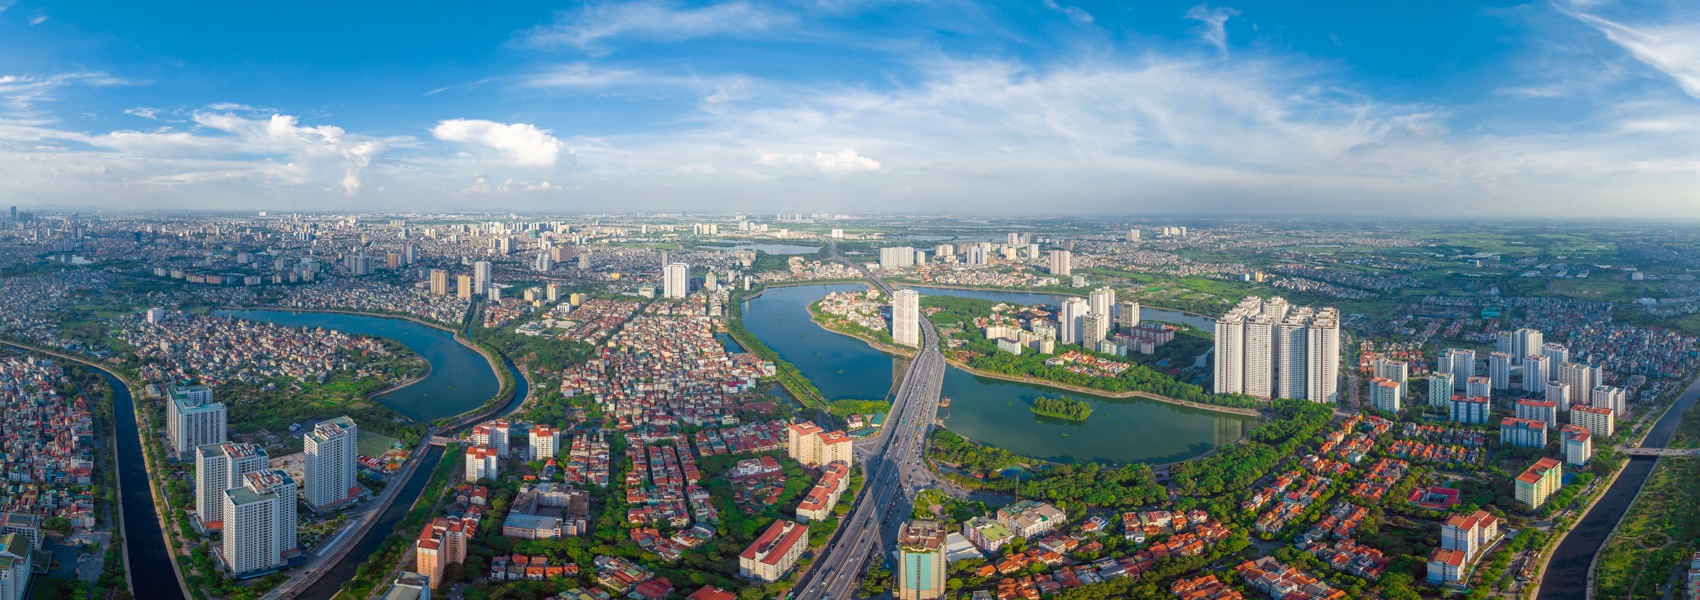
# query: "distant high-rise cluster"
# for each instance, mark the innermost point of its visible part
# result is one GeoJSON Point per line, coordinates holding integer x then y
{"type": "Point", "coordinates": [897, 257]}
{"type": "Point", "coordinates": [1267, 348]}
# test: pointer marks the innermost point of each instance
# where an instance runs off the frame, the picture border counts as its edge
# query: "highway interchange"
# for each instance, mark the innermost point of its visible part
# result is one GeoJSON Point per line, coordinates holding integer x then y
{"type": "Point", "coordinates": [895, 471]}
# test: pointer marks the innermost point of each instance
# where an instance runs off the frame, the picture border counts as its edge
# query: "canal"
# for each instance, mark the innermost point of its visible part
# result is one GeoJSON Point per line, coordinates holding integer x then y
{"type": "Point", "coordinates": [991, 411]}
{"type": "Point", "coordinates": [1566, 576]}
{"type": "Point", "coordinates": [149, 560]}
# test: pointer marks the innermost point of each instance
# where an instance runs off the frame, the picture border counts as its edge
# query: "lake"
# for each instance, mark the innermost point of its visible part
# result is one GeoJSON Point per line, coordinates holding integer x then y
{"type": "Point", "coordinates": [987, 410]}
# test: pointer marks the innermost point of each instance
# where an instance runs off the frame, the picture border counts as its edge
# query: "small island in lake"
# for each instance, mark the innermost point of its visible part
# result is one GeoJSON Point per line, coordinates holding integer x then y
{"type": "Point", "coordinates": [1062, 408]}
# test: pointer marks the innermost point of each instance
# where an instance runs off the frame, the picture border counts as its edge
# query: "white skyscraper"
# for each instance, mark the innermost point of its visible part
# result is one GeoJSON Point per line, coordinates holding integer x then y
{"type": "Point", "coordinates": [1386, 394]}
{"type": "Point", "coordinates": [1612, 397]}
{"type": "Point", "coordinates": [543, 263]}
{"type": "Point", "coordinates": [1127, 315]}
{"type": "Point", "coordinates": [481, 277]}
{"type": "Point", "coordinates": [1556, 355]}
{"type": "Point", "coordinates": [1439, 389]}
{"type": "Point", "coordinates": [1230, 353]}
{"type": "Point", "coordinates": [1102, 302]}
{"type": "Point", "coordinates": [1072, 318]}
{"type": "Point", "coordinates": [1460, 363]}
{"type": "Point", "coordinates": [259, 533]}
{"type": "Point", "coordinates": [1061, 263]}
{"type": "Point", "coordinates": [1499, 370]}
{"type": "Point", "coordinates": [906, 318]}
{"type": "Point", "coordinates": [219, 467]}
{"type": "Point", "coordinates": [1396, 370]}
{"type": "Point", "coordinates": [1537, 370]}
{"type": "Point", "coordinates": [193, 419]}
{"type": "Point", "coordinates": [1580, 379]}
{"type": "Point", "coordinates": [676, 282]}
{"type": "Point", "coordinates": [1526, 342]}
{"type": "Point", "coordinates": [1324, 356]}
{"type": "Point", "coordinates": [1260, 359]}
{"type": "Point", "coordinates": [330, 464]}
{"type": "Point", "coordinates": [1292, 351]}
{"type": "Point", "coordinates": [1092, 331]}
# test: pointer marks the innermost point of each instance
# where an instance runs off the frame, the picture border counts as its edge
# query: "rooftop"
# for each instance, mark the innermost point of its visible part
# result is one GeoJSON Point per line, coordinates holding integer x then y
{"type": "Point", "coordinates": [921, 536]}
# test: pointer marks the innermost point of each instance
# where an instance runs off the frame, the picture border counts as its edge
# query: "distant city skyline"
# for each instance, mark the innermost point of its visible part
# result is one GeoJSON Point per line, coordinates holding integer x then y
{"type": "Point", "coordinates": [1166, 108]}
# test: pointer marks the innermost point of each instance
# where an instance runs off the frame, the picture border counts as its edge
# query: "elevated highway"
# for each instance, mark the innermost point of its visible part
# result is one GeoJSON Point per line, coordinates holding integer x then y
{"type": "Point", "coordinates": [893, 466]}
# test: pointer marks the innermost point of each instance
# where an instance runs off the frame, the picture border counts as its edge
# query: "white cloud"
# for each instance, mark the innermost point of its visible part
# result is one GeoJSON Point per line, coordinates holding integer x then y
{"type": "Point", "coordinates": [521, 143]}
{"type": "Point", "coordinates": [652, 20]}
{"type": "Point", "coordinates": [22, 92]}
{"type": "Point", "coordinates": [282, 134]}
{"type": "Point", "coordinates": [143, 112]}
{"type": "Point", "coordinates": [1672, 48]}
{"type": "Point", "coordinates": [1074, 13]}
{"type": "Point", "coordinates": [37, 20]}
{"type": "Point", "coordinates": [842, 161]}
{"type": "Point", "coordinates": [1212, 25]}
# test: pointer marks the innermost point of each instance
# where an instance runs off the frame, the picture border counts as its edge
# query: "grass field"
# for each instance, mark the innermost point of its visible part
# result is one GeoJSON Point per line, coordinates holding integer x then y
{"type": "Point", "coordinates": [1659, 533]}
{"type": "Point", "coordinates": [372, 444]}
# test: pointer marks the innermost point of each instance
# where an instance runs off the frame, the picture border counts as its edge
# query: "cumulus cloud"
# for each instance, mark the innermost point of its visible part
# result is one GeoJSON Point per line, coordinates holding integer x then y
{"type": "Point", "coordinates": [283, 134]}
{"type": "Point", "coordinates": [1212, 25]}
{"type": "Point", "coordinates": [520, 143]}
{"type": "Point", "coordinates": [143, 112]}
{"type": "Point", "coordinates": [652, 20]}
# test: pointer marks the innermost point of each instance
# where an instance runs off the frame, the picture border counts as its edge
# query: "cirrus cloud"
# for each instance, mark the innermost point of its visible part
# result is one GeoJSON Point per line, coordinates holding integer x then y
{"type": "Point", "coordinates": [652, 20]}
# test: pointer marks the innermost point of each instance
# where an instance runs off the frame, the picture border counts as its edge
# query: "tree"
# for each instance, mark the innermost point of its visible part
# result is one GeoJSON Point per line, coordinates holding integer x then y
{"type": "Point", "coordinates": [59, 524]}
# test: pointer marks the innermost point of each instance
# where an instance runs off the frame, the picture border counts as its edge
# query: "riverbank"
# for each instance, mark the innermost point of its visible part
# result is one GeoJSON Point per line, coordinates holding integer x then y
{"type": "Point", "coordinates": [160, 506]}
{"type": "Point", "coordinates": [1594, 565]}
{"type": "Point", "coordinates": [1685, 399]}
{"type": "Point", "coordinates": [789, 377]}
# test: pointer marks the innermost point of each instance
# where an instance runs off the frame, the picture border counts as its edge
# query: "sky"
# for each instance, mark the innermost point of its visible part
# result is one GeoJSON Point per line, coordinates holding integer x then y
{"type": "Point", "coordinates": [1567, 108]}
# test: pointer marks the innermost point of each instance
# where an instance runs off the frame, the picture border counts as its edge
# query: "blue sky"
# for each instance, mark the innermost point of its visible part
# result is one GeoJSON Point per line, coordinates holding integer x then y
{"type": "Point", "coordinates": [1567, 108]}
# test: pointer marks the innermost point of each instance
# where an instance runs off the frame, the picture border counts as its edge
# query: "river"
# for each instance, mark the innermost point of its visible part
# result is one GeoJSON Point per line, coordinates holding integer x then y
{"type": "Point", "coordinates": [988, 410]}
{"type": "Point", "coordinates": [1566, 576]}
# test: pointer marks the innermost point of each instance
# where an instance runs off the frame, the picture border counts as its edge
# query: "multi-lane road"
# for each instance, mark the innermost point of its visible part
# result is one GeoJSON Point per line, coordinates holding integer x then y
{"type": "Point", "coordinates": [895, 469]}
